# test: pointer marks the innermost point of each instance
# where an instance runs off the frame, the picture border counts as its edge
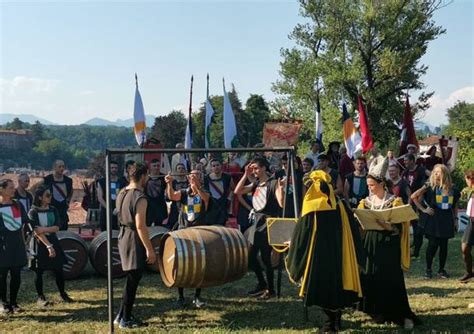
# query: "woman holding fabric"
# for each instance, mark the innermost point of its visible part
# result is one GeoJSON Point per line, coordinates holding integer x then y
{"type": "Point", "coordinates": [387, 256]}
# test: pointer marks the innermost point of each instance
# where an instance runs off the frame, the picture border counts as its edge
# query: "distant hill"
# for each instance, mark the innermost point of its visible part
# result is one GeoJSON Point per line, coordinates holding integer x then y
{"type": "Point", "coordinates": [96, 121]}
{"type": "Point", "coordinates": [419, 125]}
{"type": "Point", "coordinates": [27, 118]}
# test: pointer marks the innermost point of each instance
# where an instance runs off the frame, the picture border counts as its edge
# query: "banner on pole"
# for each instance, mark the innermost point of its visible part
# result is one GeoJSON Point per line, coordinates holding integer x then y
{"type": "Point", "coordinates": [281, 134]}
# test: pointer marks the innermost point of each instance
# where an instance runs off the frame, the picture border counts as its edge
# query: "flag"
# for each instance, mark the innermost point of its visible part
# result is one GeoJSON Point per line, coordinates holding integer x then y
{"type": "Point", "coordinates": [352, 138]}
{"type": "Point", "coordinates": [209, 114]}
{"type": "Point", "coordinates": [367, 142]}
{"type": "Point", "coordinates": [318, 121]}
{"type": "Point", "coordinates": [408, 135]}
{"type": "Point", "coordinates": [139, 116]}
{"type": "Point", "coordinates": [230, 128]}
{"type": "Point", "coordinates": [188, 140]}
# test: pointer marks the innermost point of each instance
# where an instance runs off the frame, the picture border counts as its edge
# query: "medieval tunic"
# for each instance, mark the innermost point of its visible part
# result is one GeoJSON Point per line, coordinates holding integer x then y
{"type": "Point", "coordinates": [388, 253]}
{"type": "Point", "coordinates": [323, 250]}
{"type": "Point", "coordinates": [441, 224]}
{"type": "Point", "coordinates": [47, 218]}
{"type": "Point", "coordinates": [12, 248]}
{"type": "Point", "coordinates": [132, 252]}
{"type": "Point", "coordinates": [61, 193]}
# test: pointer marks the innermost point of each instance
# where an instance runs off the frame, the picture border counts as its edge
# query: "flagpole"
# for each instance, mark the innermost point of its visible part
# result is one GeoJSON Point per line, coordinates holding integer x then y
{"type": "Point", "coordinates": [190, 143]}
{"type": "Point", "coordinates": [205, 113]}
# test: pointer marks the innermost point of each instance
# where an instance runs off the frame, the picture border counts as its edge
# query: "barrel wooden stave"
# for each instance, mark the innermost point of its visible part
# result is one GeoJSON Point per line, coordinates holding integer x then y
{"type": "Point", "coordinates": [155, 234]}
{"type": "Point", "coordinates": [202, 256]}
{"type": "Point", "coordinates": [98, 255]}
{"type": "Point", "coordinates": [75, 250]}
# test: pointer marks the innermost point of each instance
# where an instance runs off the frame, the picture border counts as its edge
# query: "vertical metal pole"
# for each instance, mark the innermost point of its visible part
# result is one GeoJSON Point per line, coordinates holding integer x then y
{"type": "Point", "coordinates": [293, 179]}
{"type": "Point", "coordinates": [110, 296]}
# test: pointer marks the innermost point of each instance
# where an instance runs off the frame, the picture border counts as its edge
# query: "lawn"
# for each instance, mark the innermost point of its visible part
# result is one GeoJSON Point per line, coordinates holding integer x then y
{"type": "Point", "coordinates": [440, 303]}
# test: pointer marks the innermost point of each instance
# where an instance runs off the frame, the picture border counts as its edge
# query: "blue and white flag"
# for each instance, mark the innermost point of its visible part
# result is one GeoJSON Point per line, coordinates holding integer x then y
{"type": "Point", "coordinates": [230, 128]}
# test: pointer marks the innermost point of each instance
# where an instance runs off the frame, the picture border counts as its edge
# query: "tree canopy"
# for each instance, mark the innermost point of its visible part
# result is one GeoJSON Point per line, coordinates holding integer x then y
{"type": "Point", "coordinates": [373, 48]}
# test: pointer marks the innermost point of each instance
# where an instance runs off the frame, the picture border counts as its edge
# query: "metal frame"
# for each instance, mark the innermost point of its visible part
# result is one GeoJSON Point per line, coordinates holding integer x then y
{"type": "Point", "coordinates": [108, 152]}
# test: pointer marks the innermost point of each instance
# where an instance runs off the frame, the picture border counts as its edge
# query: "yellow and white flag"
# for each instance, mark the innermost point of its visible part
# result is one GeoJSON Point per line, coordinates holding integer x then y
{"type": "Point", "coordinates": [139, 116]}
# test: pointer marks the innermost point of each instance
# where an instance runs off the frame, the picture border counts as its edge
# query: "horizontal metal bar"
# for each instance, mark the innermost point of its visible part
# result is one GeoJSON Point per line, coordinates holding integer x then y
{"type": "Point", "coordinates": [198, 150]}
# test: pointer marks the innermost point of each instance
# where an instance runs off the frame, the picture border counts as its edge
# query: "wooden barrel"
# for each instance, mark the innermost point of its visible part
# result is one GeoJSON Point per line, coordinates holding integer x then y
{"type": "Point", "coordinates": [98, 255]}
{"type": "Point", "coordinates": [75, 250]}
{"type": "Point", "coordinates": [203, 256]}
{"type": "Point", "coordinates": [275, 256]}
{"type": "Point", "coordinates": [156, 233]}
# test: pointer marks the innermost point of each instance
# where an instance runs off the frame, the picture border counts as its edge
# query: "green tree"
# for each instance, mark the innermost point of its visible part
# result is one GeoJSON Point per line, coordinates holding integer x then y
{"type": "Point", "coordinates": [461, 125]}
{"type": "Point", "coordinates": [252, 120]}
{"type": "Point", "coordinates": [346, 47]}
{"type": "Point", "coordinates": [16, 124]}
{"type": "Point", "coordinates": [170, 129]}
{"type": "Point", "coordinates": [38, 131]}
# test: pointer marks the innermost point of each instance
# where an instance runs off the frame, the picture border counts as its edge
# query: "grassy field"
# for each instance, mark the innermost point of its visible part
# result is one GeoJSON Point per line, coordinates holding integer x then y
{"type": "Point", "coordinates": [440, 303]}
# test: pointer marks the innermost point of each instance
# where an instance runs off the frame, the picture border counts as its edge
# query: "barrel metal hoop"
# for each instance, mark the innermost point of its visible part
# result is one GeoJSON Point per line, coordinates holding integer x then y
{"type": "Point", "coordinates": [193, 263]}
{"type": "Point", "coordinates": [243, 249]}
{"type": "Point", "coordinates": [181, 257]}
{"type": "Point", "coordinates": [226, 247]}
{"type": "Point", "coordinates": [203, 258]}
{"type": "Point", "coordinates": [231, 237]}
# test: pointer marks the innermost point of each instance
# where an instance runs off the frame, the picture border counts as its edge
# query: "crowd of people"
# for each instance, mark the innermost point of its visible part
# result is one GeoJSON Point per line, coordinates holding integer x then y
{"type": "Point", "coordinates": [327, 186]}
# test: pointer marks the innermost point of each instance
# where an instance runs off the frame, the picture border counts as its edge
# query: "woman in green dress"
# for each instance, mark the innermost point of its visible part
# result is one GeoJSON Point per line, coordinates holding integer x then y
{"type": "Point", "coordinates": [387, 256]}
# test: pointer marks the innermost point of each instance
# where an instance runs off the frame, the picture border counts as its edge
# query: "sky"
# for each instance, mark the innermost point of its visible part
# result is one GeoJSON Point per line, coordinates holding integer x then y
{"type": "Point", "coordinates": [70, 61]}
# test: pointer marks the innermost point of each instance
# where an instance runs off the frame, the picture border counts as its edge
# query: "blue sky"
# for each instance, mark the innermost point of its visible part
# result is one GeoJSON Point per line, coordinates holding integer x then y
{"type": "Point", "coordinates": [70, 61]}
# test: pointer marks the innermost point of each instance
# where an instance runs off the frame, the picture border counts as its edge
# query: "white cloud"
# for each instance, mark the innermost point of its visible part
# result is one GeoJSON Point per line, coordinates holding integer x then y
{"type": "Point", "coordinates": [436, 114]}
{"type": "Point", "coordinates": [23, 86]}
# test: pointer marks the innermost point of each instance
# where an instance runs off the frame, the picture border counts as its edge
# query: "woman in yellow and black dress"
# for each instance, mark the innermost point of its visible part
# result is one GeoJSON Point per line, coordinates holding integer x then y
{"type": "Point", "coordinates": [387, 256]}
{"type": "Point", "coordinates": [322, 252]}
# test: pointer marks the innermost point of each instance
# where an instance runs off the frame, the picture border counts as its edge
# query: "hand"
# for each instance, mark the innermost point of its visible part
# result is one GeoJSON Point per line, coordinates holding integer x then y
{"type": "Point", "coordinates": [248, 170]}
{"type": "Point", "coordinates": [52, 252]}
{"type": "Point", "coordinates": [282, 182]}
{"type": "Point", "coordinates": [429, 211]}
{"type": "Point", "coordinates": [168, 178]}
{"type": "Point", "coordinates": [150, 256]}
{"type": "Point", "coordinates": [39, 230]}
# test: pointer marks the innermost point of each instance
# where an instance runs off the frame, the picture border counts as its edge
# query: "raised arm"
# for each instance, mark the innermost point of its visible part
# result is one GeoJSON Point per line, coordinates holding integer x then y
{"type": "Point", "coordinates": [241, 188]}
{"type": "Point", "coordinates": [170, 192]}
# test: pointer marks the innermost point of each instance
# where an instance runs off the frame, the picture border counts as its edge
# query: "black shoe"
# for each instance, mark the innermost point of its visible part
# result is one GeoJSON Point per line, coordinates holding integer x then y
{"type": "Point", "coordinates": [257, 291]}
{"type": "Point", "coordinates": [66, 299]}
{"type": "Point", "coordinates": [181, 303]}
{"type": "Point", "coordinates": [443, 274]}
{"type": "Point", "coordinates": [267, 295]}
{"type": "Point", "coordinates": [466, 278]}
{"type": "Point", "coordinates": [4, 308]}
{"type": "Point", "coordinates": [42, 301]}
{"type": "Point", "coordinates": [198, 303]}
{"type": "Point", "coordinates": [15, 308]}
{"type": "Point", "coordinates": [428, 274]}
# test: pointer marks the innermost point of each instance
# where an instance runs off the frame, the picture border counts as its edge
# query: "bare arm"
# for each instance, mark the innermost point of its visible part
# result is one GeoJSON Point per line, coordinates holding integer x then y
{"type": "Point", "coordinates": [417, 196]}
{"type": "Point", "coordinates": [142, 230]}
{"type": "Point", "coordinates": [170, 192]}
{"type": "Point", "coordinates": [280, 192]}
{"type": "Point", "coordinates": [241, 188]}
{"type": "Point", "coordinates": [100, 196]}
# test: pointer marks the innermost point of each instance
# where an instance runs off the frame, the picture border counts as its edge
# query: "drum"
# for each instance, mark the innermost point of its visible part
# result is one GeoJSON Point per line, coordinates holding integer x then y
{"type": "Point", "coordinates": [75, 251]}
{"type": "Point", "coordinates": [275, 256]}
{"type": "Point", "coordinates": [98, 255]}
{"type": "Point", "coordinates": [203, 256]}
{"type": "Point", "coordinates": [156, 233]}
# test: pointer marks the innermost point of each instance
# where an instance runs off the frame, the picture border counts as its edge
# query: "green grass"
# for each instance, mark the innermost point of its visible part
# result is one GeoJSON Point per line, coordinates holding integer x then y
{"type": "Point", "coordinates": [440, 303]}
